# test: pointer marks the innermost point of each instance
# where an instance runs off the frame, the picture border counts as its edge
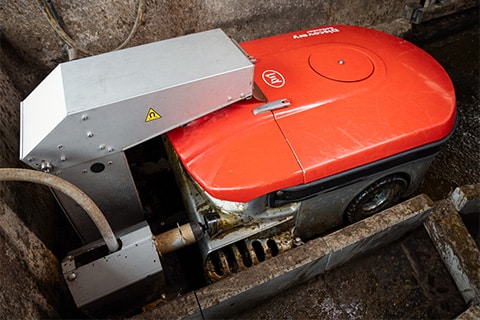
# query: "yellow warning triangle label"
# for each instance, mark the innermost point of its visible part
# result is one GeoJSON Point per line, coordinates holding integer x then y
{"type": "Point", "coordinates": [152, 115]}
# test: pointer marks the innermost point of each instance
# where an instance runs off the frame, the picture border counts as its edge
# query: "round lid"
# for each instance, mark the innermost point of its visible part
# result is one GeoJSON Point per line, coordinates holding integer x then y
{"type": "Point", "coordinates": [341, 62]}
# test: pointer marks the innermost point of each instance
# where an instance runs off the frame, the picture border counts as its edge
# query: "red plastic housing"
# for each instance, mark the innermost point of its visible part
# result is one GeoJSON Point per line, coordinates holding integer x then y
{"type": "Point", "coordinates": [356, 96]}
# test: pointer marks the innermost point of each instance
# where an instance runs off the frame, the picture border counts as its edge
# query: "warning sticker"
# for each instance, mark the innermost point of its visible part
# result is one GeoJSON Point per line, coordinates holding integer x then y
{"type": "Point", "coordinates": [152, 115]}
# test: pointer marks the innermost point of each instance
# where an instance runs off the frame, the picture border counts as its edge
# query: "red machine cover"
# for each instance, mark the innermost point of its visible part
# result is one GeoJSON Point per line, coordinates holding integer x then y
{"type": "Point", "coordinates": [356, 96]}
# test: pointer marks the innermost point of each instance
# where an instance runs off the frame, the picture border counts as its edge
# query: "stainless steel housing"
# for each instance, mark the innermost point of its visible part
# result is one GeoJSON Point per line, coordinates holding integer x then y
{"type": "Point", "coordinates": [81, 118]}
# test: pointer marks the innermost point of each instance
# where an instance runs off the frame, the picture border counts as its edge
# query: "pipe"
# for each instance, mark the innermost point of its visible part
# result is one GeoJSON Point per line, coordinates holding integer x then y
{"type": "Point", "coordinates": [70, 190]}
{"type": "Point", "coordinates": [178, 238]}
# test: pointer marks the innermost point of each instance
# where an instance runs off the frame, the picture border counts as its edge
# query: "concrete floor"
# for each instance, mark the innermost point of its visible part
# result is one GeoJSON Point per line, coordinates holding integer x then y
{"type": "Point", "coordinates": [407, 279]}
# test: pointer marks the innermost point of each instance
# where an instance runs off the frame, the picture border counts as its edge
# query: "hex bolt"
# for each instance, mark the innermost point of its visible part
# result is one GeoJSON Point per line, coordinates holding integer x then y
{"type": "Point", "coordinates": [46, 166]}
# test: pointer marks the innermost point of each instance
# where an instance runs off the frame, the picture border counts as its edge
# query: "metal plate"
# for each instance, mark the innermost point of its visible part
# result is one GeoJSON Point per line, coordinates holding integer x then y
{"type": "Point", "coordinates": [136, 261]}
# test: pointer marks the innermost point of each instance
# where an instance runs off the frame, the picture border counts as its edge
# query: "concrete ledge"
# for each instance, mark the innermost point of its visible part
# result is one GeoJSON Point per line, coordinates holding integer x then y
{"type": "Point", "coordinates": [231, 295]}
{"type": "Point", "coordinates": [180, 308]}
{"type": "Point", "coordinates": [457, 249]}
{"type": "Point", "coordinates": [376, 231]}
{"type": "Point", "coordinates": [466, 199]}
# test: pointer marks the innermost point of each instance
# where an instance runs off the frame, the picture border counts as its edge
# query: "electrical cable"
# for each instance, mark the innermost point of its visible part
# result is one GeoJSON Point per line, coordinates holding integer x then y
{"type": "Point", "coordinates": [53, 20]}
{"type": "Point", "coordinates": [70, 190]}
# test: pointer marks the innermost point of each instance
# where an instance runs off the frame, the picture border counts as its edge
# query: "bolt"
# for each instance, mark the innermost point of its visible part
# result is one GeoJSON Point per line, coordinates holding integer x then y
{"type": "Point", "coordinates": [297, 241]}
{"type": "Point", "coordinates": [101, 147]}
{"type": "Point", "coordinates": [84, 117]}
{"type": "Point", "coordinates": [89, 134]}
{"type": "Point", "coordinates": [72, 276]}
{"type": "Point", "coordinates": [341, 62]}
{"type": "Point", "coordinates": [60, 146]}
{"type": "Point", "coordinates": [30, 159]}
{"type": "Point", "coordinates": [109, 163]}
{"type": "Point", "coordinates": [63, 157]}
{"type": "Point", "coordinates": [110, 149]}
{"type": "Point", "coordinates": [46, 167]}
{"type": "Point", "coordinates": [229, 98]}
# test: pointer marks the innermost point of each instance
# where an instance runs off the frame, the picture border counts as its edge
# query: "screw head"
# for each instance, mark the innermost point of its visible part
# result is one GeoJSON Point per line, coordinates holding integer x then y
{"type": "Point", "coordinates": [46, 166]}
{"type": "Point", "coordinates": [72, 276]}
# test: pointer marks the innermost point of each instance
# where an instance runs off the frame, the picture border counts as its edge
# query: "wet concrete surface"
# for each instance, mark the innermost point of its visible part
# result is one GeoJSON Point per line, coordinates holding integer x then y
{"type": "Point", "coordinates": [458, 52]}
{"type": "Point", "coordinates": [404, 280]}
{"type": "Point", "coordinates": [407, 279]}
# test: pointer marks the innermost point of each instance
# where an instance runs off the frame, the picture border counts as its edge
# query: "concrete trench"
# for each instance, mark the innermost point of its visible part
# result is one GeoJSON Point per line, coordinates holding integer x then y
{"type": "Point", "coordinates": [34, 234]}
{"type": "Point", "coordinates": [238, 295]}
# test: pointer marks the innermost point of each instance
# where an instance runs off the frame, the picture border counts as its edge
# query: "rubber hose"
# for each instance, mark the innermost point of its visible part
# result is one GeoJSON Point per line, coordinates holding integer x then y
{"type": "Point", "coordinates": [70, 190]}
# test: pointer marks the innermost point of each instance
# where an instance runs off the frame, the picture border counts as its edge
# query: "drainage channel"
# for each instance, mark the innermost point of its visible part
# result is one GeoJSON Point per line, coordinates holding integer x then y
{"type": "Point", "coordinates": [343, 276]}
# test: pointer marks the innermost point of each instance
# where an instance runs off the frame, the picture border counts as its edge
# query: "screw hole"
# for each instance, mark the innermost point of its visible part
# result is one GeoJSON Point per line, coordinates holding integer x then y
{"type": "Point", "coordinates": [97, 167]}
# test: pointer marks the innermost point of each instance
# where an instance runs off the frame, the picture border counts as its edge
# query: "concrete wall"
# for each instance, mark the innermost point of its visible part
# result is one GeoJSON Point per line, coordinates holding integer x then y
{"type": "Point", "coordinates": [100, 26]}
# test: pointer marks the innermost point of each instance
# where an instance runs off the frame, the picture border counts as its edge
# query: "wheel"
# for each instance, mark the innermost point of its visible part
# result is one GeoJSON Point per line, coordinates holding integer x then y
{"type": "Point", "coordinates": [377, 197]}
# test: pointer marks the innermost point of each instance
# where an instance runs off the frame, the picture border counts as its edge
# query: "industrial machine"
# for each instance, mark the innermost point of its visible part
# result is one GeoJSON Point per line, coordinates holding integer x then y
{"type": "Point", "coordinates": [244, 150]}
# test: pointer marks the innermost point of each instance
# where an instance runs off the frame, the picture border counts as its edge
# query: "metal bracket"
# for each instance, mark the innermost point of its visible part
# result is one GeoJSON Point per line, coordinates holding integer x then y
{"type": "Point", "coordinates": [274, 105]}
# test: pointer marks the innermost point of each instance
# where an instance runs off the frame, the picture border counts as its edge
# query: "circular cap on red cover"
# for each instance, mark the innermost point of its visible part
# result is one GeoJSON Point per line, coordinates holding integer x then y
{"type": "Point", "coordinates": [341, 62]}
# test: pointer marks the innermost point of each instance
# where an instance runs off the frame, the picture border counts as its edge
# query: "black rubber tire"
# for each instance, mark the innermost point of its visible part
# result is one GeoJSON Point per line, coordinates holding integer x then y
{"type": "Point", "coordinates": [379, 196]}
